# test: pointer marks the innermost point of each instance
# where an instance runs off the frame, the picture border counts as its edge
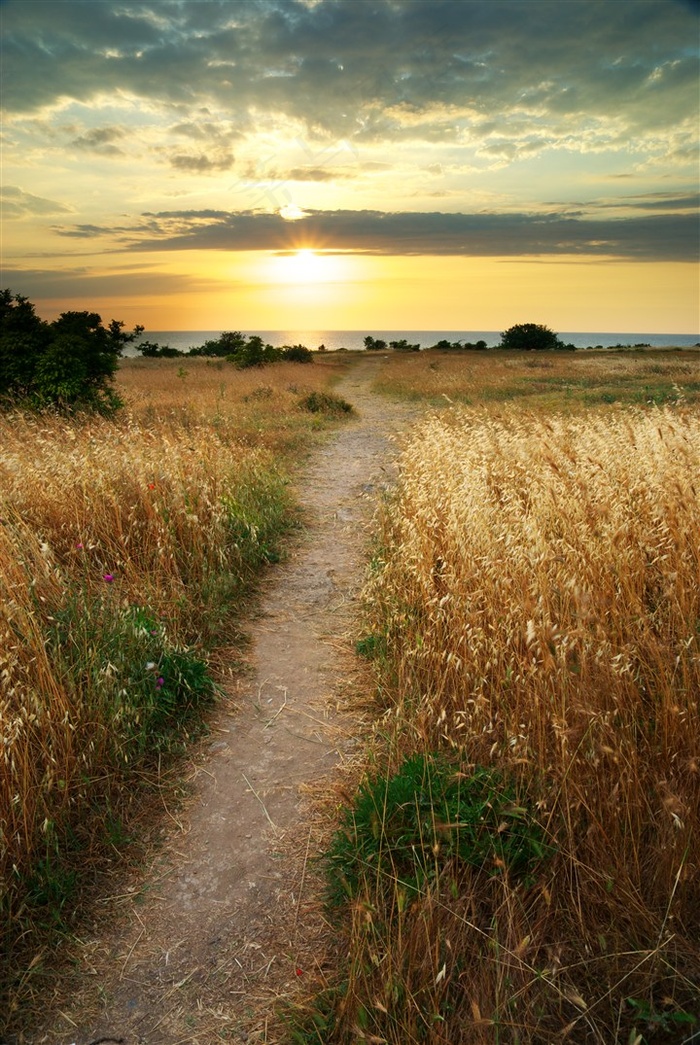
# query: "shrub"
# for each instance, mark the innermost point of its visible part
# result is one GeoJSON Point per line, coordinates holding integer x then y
{"type": "Point", "coordinates": [529, 337]}
{"type": "Point", "coordinates": [404, 346]}
{"type": "Point", "coordinates": [373, 344]}
{"type": "Point", "coordinates": [68, 364]}
{"type": "Point", "coordinates": [326, 403]}
{"type": "Point", "coordinates": [297, 354]}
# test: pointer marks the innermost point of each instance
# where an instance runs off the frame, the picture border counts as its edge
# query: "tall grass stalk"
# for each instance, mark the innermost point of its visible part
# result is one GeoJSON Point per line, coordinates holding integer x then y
{"type": "Point", "coordinates": [536, 610]}
{"type": "Point", "coordinates": [126, 549]}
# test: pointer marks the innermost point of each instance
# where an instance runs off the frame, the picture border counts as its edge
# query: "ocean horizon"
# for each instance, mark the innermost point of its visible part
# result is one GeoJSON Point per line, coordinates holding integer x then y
{"type": "Point", "coordinates": [353, 340]}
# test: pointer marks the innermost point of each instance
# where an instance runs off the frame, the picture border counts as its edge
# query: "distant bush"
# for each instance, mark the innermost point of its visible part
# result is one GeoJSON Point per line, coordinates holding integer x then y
{"type": "Point", "coordinates": [403, 346]}
{"type": "Point", "coordinates": [152, 350]}
{"type": "Point", "coordinates": [68, 364]}
{"type": "Point", "coordinates": [469, 346]}
{"type": "Point", "coordinates": [252, 351]}
{"type": "Point", "coordinates": [530, 337]}
{"type": "Point", "coordinates": [373, 344]}
{"type": "Point", "coordinates": [227, 344]}
{"type": "Point", "coordinates": [297, 354]}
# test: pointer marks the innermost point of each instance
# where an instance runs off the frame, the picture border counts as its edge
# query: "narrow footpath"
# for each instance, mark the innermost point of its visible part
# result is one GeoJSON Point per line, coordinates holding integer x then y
{"type": "Point", "coordinates": [228, 921]}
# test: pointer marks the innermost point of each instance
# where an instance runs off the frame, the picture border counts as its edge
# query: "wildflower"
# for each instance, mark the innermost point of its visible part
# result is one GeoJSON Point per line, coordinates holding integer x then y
{"type": "Point", "coordinates": [150, 666]}
{"type": "Point", "coordinates": [79, 545]}
{"type": "Point", "coordinates": [108, 577]}
{"type": "Point", "coordinates": [151, 486]}
{"type": "Point", "coordinates": [160, 682]}
{"type": "Point", "coordinates": [299, 972]}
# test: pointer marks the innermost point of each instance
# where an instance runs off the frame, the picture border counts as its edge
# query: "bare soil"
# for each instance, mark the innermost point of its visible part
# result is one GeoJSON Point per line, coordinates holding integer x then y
{"type": "Point", "coordinates": [228, 921]}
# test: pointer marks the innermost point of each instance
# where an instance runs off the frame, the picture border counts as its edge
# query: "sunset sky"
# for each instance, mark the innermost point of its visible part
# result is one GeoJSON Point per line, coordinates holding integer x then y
{"type": "Point", "coordinates": [353, 164]}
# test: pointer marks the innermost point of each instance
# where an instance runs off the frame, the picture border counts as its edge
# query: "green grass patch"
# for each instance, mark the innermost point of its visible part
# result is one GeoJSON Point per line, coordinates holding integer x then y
{"type": "Point", "coordinates": [403, 829]}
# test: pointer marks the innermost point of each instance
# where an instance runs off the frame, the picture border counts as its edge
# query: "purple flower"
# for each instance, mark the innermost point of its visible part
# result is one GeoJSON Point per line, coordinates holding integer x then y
{"type": "Point", "coordinates": [160, 682]}
{"type": "Point", "coordinates": [109, 577]}
{"type": "Point", "coordinates": [80, 545]}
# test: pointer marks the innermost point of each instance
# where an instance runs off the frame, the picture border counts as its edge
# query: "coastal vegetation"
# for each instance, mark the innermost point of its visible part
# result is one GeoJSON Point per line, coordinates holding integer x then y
{"type": "Point", "coordinates": [128, 548]}
{"type": "Point", "coordinates": [521, 861]}
{"type": "Point", "coordinates": [234, 347]}
{"type": "Point", "coordinates": [545, 381]}
{"type": "Point", "coordinates": [68, 364]}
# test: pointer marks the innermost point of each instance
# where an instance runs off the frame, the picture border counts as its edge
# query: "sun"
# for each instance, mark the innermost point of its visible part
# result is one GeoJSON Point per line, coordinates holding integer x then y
{"type": "Point", "coordinates": [304, 267]}
{"type": "Point", "coordinates": [307, 265]}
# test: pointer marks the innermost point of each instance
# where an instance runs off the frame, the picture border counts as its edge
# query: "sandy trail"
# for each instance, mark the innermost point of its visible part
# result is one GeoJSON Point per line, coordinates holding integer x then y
{"type": "Point", "coordinates": [229, 920]}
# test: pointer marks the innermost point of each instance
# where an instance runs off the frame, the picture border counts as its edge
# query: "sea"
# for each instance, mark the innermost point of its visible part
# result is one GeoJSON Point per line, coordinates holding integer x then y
{"type": "Point", "coordinates": [353, 340]}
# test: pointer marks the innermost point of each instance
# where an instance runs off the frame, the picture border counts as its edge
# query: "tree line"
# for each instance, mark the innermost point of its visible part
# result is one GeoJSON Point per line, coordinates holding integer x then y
{"type": "Point", "coordinates": [70, 362]}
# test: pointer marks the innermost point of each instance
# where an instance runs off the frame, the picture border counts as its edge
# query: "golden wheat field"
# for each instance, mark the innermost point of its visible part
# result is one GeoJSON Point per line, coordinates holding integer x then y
{"type": "Point", "coordinates": [126, 548]}
{"type": "Point", "coordinates": [534, 610]}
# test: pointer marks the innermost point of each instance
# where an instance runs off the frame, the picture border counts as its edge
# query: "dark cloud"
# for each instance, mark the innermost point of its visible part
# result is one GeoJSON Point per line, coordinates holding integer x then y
{"type": "Point", "coordinates": [201, 163]}
{"type": "Point", "coordinates": [100, 140]}
{"type": "Point", "coordinates": [83, 282]}
{"type": "Point", "coordinates": [79, 231]}
{"type": "Point", "coordinates": [434, 70]}
{"type": "Point", "coordinates": [16, 203]}
{"type": "Point", "coordinates": [653, 201]}
{"type": "Point", "coordinates": [667, 237]}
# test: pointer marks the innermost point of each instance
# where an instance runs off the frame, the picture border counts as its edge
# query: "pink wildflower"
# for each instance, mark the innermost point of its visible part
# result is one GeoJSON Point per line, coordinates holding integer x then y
{"type": "Point", "coordinates": [109, 577]}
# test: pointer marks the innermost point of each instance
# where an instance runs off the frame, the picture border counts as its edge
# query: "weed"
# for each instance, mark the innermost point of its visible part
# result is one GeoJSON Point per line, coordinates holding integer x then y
{"type": "Point", "coordinates": [371, 646]}
{"type": "Point", "coordinates": [326, 403]}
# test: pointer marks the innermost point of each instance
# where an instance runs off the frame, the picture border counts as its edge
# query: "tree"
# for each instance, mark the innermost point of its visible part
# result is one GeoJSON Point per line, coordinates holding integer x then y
{"type": "Point", "coordinates": [530, 337]}
{"type": "Point", "coordinates": [69, 364]}
{"type": "Point", "coordinates": [373, 344]}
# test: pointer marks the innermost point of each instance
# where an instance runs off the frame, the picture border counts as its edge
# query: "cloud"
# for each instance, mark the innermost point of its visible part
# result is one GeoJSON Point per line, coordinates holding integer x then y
{"type": "Point", "coordinates": [580, 74]}
{"type": "Point", "coordinates": [89, 284]}
{"type": "Point", "coordinates": [201, 163]}
{"type": "Point", "coordinates": [100, 140]}
{"type": "Point", "coordinates": [19, 204]}
{"type": "Point", "coordinates": [651, 237]}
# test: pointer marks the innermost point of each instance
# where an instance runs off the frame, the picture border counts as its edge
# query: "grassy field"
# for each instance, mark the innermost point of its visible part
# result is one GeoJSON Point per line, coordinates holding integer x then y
{"type": "Point", "coordinates": [543, 380]}
{"type": "Point", "coordinates": [127, 549]}
{"type": "Point", "coordinates": [522, 861]}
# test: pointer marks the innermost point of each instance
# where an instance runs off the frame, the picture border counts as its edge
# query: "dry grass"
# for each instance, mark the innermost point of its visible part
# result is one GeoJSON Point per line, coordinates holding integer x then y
{"type": "Point", "coordinates": [535, 607]}
{"type": "Point", "coordinates": [126, 549]}
{"type": "Point", "coordinates": [536, 380]}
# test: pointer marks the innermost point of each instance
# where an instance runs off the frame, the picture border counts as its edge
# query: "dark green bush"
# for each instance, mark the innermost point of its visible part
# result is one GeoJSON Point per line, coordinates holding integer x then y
{"type": "Point", "coordinates": [530, 337]}
{"type": "Point", "coordinates": [68, 364]}
{"type": "Point", "coordinates": [297, 354]}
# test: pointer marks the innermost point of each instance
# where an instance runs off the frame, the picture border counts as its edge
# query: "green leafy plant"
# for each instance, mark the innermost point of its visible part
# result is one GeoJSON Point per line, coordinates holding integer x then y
{"type": "Point", "coordinates": [68, 364]}
{"type": "Point", "coordinates": [404, 828]}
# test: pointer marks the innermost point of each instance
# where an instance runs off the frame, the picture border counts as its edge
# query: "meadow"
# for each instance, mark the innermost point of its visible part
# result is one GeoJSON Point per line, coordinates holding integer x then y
{"type": "Point", "coordinates": [128, 549]}
{"type": "Point", "coordinates": [521, 861]}
{"type": "Point", "coordinates": [546, 380]}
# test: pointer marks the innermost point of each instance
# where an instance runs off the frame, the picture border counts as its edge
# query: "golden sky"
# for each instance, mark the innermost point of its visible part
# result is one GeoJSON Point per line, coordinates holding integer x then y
{"type": "Point", "coordinates": [353, 164]}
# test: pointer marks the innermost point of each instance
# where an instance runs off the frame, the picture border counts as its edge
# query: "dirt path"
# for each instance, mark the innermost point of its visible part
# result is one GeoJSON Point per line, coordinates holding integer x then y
{"type": "Point", "coordinates": [230, 921]}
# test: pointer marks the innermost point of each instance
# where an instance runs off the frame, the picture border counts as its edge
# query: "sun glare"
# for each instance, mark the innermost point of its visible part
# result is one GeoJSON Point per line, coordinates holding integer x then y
{"type": "Point", "coordinates": [306, 267]}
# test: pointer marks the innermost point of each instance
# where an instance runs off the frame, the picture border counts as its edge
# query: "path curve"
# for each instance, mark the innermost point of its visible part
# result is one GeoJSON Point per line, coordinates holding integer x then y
{"type": "Point", "coordinates": [231, 922]}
